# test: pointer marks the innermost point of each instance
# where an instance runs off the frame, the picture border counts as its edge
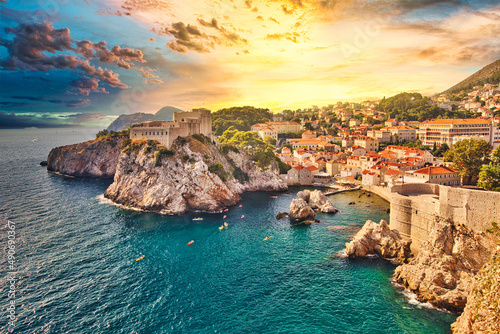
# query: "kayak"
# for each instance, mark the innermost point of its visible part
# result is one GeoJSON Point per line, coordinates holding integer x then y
{"type": "Point", "coordinates": [221, 227]}
{"type": "Point", "coordinates": [198, 218]}
{"type": "Point", "coordinates": [240, 206]}
{"type": "Point", "coordinates": [224, 217]}
{"type": "Point", "coordinates": [274, 197]}
{"type": "Point", "coordinates": [225, 224]}
{"type": "Point", "coordinates": [266, 238]}
{"type": "Point", "coordinates": [189, 243]}
{"type": "Point", "coordinates": [226, 210]}
{"type": "Point", "coordinates": [243, 216]}
{"type": "Point", "coordinates": [142, 257]}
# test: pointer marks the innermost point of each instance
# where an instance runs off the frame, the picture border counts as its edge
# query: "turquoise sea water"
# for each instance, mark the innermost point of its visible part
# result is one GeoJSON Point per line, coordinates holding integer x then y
{"type": "Point", "coordinates": [77, 270]}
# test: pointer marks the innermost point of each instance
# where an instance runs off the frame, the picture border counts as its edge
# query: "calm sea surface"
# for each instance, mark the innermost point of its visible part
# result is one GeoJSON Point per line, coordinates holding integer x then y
{"type": "Point", "coordinates": [77, 270]}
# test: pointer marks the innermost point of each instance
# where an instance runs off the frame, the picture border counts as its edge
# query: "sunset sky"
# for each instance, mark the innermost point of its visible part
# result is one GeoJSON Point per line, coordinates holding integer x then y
{"type": "Point", "coordinates": [72, 62]}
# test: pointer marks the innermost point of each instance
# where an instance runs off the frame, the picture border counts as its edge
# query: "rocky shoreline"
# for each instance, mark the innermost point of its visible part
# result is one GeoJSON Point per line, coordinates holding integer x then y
{"type": "Point", "coordinates": [194, 175]}
{"type": "Point", "coordinates": [443, 273]}
{"type": "Point", "coordinates": [96, 158]}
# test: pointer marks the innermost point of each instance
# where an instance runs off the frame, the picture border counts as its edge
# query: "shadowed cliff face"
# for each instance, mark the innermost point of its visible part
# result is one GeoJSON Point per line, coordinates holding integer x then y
{"type": "Point", "coordinates": [443, 271]}
{"type": "Point", "coordinates": [482, 312]}
{"type": "Point", "coordinates": [95, 158]}
{"type": "Point", "coordinates": [194, 176]}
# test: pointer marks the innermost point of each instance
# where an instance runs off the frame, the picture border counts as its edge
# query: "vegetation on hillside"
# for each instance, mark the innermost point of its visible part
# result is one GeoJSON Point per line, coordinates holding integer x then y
{"type": "Point", "coordinates": [489, 176]}
{"type": "Point", "coordinates": [112, 134]}
{"type": "Point", "coordinates": [238, 118]}
{"type": "Point", "coordinates": [250, 142]}
{"type": "Point", "coordinates": [468, 156]}
{"type": "Point", "coordinates": [488, 74]}
{"type": "Point", "coordinates": [414, 107]}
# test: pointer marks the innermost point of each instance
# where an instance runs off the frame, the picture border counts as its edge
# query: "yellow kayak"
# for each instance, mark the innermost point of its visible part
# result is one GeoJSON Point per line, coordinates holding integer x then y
{"type": "Point", "coordinates": [225, 224]}
{"type": "Point", "coordinates": [266, 238]}
{"type": "Point", "coordinates": [142, 257]}
{"type": "Point", "coordinates": [220, 228]}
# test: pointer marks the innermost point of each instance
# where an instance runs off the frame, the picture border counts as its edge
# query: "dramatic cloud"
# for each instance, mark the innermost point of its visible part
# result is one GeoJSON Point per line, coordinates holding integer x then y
{"type": "Point", "coordinates": [86, 85]}
{"type": "Point", "coordinates": [189, 37]}
{"type": "Point", "coordinates": [68, 103]}
{"type": "Point", "coordinates": [32, 43]}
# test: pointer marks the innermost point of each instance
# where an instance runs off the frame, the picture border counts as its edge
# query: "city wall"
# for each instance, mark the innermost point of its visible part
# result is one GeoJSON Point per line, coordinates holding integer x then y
{"type": "Point", "coordinates": [416, 207]}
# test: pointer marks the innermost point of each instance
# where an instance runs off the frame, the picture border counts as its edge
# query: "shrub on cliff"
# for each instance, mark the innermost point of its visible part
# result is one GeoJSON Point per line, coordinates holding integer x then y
{"type": "Point", "coordinates": [126, 143]}
{"type": "Point", "coordinates": [240, 175]}
{"type": "Point", "coordinates": [112, 134]}
{"type": "Point", "coordinates": [218, 169]}
{"type": "Point", "coordinates": [198, 137]}
{"type": "Point", "coordinates": [162, 153]}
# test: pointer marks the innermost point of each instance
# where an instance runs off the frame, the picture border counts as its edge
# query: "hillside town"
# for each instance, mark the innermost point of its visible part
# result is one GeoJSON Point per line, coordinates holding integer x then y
{"type": "Point", "coordinates": [358, 144]}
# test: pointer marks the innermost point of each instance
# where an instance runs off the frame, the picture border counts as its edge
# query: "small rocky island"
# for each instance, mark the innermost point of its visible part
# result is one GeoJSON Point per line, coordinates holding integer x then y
{"type": "Point", "coordinates": [302, 208]}
{"type": "Point", "coordinates": [193, 175]}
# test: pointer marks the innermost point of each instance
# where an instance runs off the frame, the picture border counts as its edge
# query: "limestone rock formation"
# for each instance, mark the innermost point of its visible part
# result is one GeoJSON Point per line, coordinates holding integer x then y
{"type": "Point", "coordinates": [317, 201]}
{"type": "Point", "coordinates": [194, 176]}
{"type": "Point", "coordinates": [379, 239]}
{"type": "Point", "coordinates": [482, 312]}
{"type": "Point", "coordinates": [280, 215]}
{"type": "Point", "coordinates": [95, 158]}
{"type": "Point", "coordinates": [443, 271]}
{"type": "Point", "coordinates": [300, 210]}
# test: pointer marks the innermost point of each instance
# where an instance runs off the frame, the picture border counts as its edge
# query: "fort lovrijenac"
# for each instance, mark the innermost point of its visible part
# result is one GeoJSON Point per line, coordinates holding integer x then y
{"type": "Point", "coordinates": [197, 121]}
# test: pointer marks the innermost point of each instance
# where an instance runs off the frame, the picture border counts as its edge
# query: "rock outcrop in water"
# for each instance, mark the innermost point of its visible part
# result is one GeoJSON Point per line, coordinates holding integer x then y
{"type": "Point", "coordinates": [95, 158]}
{"type": "Point", "coordinates": [302, 208]}
{"type": "Point", "coordinates": [482, 312]}
{"type": "Point", "coordinates": [193, 176]}
{"type": "Point", "coordinates": [379, 239]}
{"type": "Point", "coordinates": [443, 271]}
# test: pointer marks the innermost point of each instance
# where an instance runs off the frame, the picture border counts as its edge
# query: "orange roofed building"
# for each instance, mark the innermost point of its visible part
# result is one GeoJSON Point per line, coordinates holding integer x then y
{"type": "Point", "coordinates": [434, 174]}
{"type": "Point", "coordinates": [450, 131]}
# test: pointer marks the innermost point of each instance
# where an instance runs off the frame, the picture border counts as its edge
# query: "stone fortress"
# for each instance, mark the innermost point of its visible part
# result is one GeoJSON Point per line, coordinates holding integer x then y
{"type": "Point", "coordinates": [197, 121]}
{"type": "Point", "coordinates": [416, 207]}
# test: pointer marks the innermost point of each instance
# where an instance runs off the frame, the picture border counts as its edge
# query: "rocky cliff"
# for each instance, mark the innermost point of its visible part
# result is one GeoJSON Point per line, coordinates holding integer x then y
{"type": "Point", "coordinates": [95, 158]}
{"type": "Point", "coordinates": [482, 312]}
{"type": "Point", "coordinates": [379, 239]}
{"type": "Point", "coordinates": [443, 271]}
{"type": "Point", "coordinates": [193, 176]}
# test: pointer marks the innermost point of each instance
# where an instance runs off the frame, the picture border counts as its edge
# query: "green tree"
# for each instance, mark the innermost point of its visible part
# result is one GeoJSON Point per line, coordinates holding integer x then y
{"type": "Point", "coordinates": [489, 177]}
{"type": "Point", "coordinates": [270, 141]}
{"type": "Point", "coordinates": [308, 126]}
{"type": "Point", "coordinates": [468, 155]}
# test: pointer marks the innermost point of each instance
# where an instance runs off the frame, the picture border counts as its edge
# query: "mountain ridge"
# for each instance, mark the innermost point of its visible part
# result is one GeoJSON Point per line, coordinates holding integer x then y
{"type": "Point", "coordinates": [488, 74]}
{"type": "Point", "coordinates": [123, 122]}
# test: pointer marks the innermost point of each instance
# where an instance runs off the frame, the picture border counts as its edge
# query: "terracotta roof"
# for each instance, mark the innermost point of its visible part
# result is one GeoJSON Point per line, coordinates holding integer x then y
{"type": "Point", "coordinates": [457, 121]}
{"type": "Point", "coordinates": [312, 168]}
{"type": "Point", "coordinates": [393, 172]}
{"type": "Point", "coordinates": [435, 170]}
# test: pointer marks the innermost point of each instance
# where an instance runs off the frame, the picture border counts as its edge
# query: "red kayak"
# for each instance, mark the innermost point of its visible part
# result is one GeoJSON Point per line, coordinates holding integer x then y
{"type": "Point", "coordinates": [189, 243]}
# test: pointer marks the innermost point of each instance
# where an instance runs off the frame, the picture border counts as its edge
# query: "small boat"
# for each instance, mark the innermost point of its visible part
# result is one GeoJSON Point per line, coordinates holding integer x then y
{"type": "Point", "coordinates": [189, 243]}
{"type": "Point", "coordinates": [221, 228]}
{"type": "Point", "coordinates": [240, 206]}
{"type": "Point", "coordinates": [225, 224]}
{"type": "Point", "coordinates": [198, 218]}
{"type": "Point", "coordinates": [266, 238]}
{"type": "Point", "coordinates": [242, 216]}
{"type": "Point", "coordinates": [274, 197]}
{"type": "Point", "coordinates": [226, 210]}
{"type": "Point", "coordinates": [140, 258]}
{"type": "Point", "coordinates": [224, 217]}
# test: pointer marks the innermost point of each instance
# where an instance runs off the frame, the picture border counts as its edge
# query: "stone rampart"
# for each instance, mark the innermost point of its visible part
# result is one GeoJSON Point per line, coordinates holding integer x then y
{"type": "Point", "coordinates": [416, 207]}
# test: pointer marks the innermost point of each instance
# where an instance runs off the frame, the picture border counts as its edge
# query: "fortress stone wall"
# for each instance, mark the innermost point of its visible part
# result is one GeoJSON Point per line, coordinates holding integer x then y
{"type": "Point", "coordinates": [416, 207]}
{"type": "Point", "coordinates": [198, 121]}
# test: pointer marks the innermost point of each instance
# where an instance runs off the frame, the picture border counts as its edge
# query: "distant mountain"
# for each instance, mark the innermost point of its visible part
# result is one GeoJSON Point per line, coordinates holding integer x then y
{"type": "Point", "coordinates": [124, 121]}
{"type": "Point", "coordinates": [488, 74]}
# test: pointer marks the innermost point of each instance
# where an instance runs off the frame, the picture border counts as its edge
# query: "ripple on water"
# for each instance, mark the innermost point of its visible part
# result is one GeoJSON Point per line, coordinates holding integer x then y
{"type": "Point", "coordinates": [78, 274]}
